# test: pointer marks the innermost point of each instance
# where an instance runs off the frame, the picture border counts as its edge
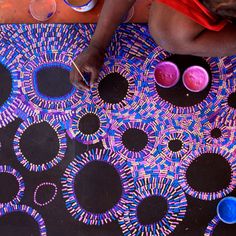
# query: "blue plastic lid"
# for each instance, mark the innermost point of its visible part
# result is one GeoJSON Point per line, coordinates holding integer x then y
{"type": "Point", "coordinates": [226, 210]}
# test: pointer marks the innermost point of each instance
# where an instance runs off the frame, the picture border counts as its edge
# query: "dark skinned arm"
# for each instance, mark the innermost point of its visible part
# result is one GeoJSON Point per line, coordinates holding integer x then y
{"type": "Point", "coordinates": [178, 34]}
{"type": "Point", "coordinates": [91, 60]}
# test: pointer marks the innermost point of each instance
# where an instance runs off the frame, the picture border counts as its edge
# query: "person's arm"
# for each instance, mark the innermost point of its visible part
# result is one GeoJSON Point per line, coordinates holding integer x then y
{"type": "Point", "coordinates": [178, 34]}
{"type": "Point", "coordinates": [111, 16]}
{"type": "Point", "coordinates": [92, 58]}
{"type": "Point", "coordinates": [214, 44]}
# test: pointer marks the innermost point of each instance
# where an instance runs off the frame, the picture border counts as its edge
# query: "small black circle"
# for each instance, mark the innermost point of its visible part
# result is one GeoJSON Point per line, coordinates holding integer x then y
{"type": "Point", "coordinates": [135, 140]}
{"type": "Point", "coordinates": [6, 84]}
{"type": "Point", "coordinates": [98, 187]}
{"type": "Point", "coordinates": [179, 95]}
{"type": "Point", "coordinates": [209, 173]}
{"type": "Point", "coordinates": [151, 210]}
{"type": "Point", "coordinates": [34, 140]}
{"type": "Point", "coordinates": [9, 187]}
{"type": "Point", "coordinates": [232, 100]}
{"type": "Point", "coordinates": [53, 81]}
{"type": "Point", "coordinates": [89, 124]}
{"type": "Point", "coordinates": [175, 145]}
{"type": "Point", "coordinates": [113, 88]}
{"type": "Point", "coordinates": [216, 133]}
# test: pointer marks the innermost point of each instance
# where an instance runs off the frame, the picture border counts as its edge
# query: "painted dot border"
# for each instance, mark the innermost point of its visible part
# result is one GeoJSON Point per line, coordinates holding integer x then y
{"type": "Point", "coordinates": [69, 195]}
{"type": "Point", "coordinates": [147, 187]}
{"type": "Point", "coordinates": [227, 134]}
{"type": "Point", "coordinates": [41, 104]}
{"type": "Point", "coordinates": [74, 132]}
{"type": "Point", "coordinates": [228, 114]}
{"type": "Point", "coordinates": [211, 226]}
{"type": "Point", "coordinates": [119, 127]}
{"type": "Point", "coordinates": [207, 196]}
{"type": "Point", "coordinates": [189, 142]}
{"type": "Point", "coordinates": [10, 59]}
{"type": "Point", "coordinates": [29, 211]}
{"type": "Point", "coordinates": [19, 178]}
{"type": "Point", "coordinates": [51, 199]}
{"type": "Point", "coordinates": [61, 134]}
{"type": "Point", "coordinates": [129, 71]}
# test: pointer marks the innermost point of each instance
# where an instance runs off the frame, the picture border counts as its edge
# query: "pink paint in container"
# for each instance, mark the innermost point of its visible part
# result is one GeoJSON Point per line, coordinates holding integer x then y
{"type": "Point", "coordinates": [81, 5]}
{"type": "Point", "coordinates": [167, 74]}
{"type": "Point", "coordinates": [195, 79]}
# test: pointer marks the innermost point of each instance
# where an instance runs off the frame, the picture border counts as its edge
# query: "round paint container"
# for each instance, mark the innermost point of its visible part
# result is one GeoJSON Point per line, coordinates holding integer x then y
{"type": "Point", "coordinates": [81, 6]}
{"type": "Point", "coordinates": [42, 10]}
{"type": "Point", "coordinates": [195, 79]}
{"type": "Point", "coordinates": [226, 210]}
{"type": "Point", "coordinates": [166, 74]}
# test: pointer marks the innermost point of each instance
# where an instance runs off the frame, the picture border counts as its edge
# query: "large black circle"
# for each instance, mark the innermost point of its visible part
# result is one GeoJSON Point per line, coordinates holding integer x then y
{"type": "Point", "coordinates": [89, 124]}
{"type": "Point", "coordinates": [9, 187]}
{"type": "Point", "coordinates": [209, 173]}
{"type": "Point", "coordinates": [232, 100]}
{"type": "Point", "coordinates": [175, 145]}
{"type": "Point", "coordinates": [179, 95]}
{"type": "Point", "coordinates": [113, 88]}
{"type": "Point", "coordinates": [98, 187]}
{"type": "Point", "coordinates": [135, 140]}
{"type": "Point", "coordinates": [216, 133]}
{"type": "Point", "coordinates": [6, 84]}
{"type": "Point", "coordinates": [53, 81]}
{"type": "Point", "coordinates": [39, 143]}
{"type": "Point", "coordinates": [18, 223]}
{"type": "Point", "coordinates": [151, 210]}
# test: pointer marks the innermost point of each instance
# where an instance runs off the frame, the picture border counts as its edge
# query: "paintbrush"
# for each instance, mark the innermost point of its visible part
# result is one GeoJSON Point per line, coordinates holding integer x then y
{"type": "Point", "coordinates": [80, 73]}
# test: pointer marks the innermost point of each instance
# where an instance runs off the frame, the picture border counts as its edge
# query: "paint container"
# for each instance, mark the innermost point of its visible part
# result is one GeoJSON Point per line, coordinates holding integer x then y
{"type": "Point", "coordinates": [42, 10]}
{"type": "Point", "coordinates": [166, 74]}
{"type": "Point", "coordinates": [195, 79]}
{"type": "Point", "coordinates": [81, 6]}
{"type": "Point", "coordinates": [226, 210]}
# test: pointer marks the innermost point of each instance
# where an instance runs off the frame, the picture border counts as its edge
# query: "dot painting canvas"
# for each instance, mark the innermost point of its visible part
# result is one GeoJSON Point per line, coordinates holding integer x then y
{"type": "Point", "coordinates": [127, 157]}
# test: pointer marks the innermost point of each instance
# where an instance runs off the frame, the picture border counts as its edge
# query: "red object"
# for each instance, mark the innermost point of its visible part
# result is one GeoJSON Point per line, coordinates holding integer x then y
{"type": "Point", "coordinates": [197, 12]}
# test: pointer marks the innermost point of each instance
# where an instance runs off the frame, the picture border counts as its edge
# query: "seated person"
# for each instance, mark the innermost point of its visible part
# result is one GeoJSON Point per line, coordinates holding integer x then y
{"type": "Point", "coordinates": [194, 27]}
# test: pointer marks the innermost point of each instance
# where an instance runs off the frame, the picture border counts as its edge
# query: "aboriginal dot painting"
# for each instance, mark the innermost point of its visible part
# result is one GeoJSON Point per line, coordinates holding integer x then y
{"type": "Point", "coordinates": [127, 157]}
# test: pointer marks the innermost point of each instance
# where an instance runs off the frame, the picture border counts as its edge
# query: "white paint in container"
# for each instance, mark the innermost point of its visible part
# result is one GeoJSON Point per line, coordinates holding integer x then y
{"type": "Point", "coordinates": [89, 5]}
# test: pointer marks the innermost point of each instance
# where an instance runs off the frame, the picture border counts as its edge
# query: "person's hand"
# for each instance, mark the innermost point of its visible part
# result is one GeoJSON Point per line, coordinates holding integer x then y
{"type": "Point", "coordinates": [89, 61]}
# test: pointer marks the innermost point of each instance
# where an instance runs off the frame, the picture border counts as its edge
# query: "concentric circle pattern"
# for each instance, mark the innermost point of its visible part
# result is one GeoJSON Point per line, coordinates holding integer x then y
{"type": "Point", "coordinates": [120, 154]}
{"type": "Point", "coordinates": [116, 73]}
{"type": "Point", "coordinates": [17, 175]}
{"type": "Point", "coordinates": [168, 189]}
{"type": "Point", "coordinates": [9, 59]}
{"type": "Point", "coordinates": [89, 124]}
{"type": "Point", "coordinates": [61, 135]}
{"type": "Point", "coordinates": [207, 196]}
{"type": "Point", "coordinates": [68, 182]}
{"type": "Point", "coordinates": [132, 139]}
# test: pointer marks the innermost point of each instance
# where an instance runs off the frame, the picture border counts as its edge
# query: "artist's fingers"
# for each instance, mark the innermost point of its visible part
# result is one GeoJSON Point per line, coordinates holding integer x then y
{"type": "Point", "coordinates": [77, 81]}
{"type": "Point", "coordinates": [94, 76]}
